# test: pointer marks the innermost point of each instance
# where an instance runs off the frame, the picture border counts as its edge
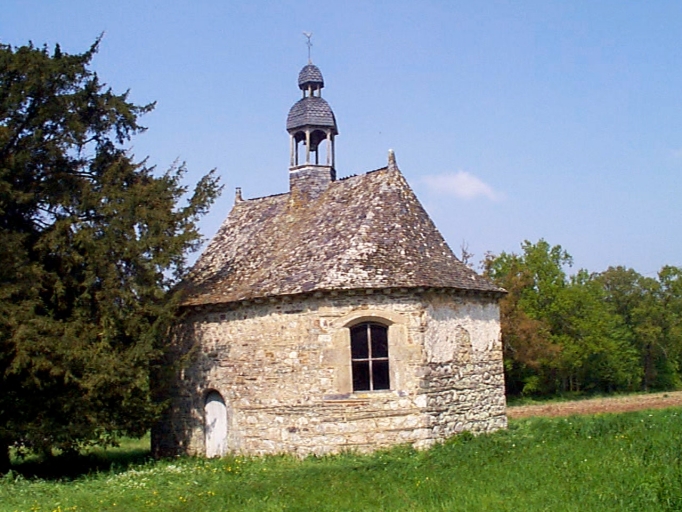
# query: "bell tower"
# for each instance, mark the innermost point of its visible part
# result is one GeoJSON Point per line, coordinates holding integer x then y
{"type": "Point", "coordinates": [312, 128]}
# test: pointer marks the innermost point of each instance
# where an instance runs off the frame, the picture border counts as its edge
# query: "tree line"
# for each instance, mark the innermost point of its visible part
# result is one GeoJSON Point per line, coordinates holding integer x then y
{"type": "Point", "coordinates": [609, 331]}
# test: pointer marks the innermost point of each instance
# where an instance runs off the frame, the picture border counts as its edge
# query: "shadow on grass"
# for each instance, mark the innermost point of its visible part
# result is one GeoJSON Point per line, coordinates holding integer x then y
{"type": "Point", "coordinates": [71, 466]}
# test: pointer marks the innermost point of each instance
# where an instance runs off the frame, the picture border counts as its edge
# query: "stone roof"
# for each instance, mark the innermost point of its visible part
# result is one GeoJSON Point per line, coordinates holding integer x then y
{"type": "Point", "coordinates": [310, 74]}
{"type": "Point", "coordinates": [311, 111]}
{"type": "Point", "coordinates": [362, 232]}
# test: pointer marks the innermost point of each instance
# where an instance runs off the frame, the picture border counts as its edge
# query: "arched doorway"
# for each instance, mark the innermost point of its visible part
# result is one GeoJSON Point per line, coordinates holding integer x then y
{"type": "Point", "coordinates": [215, 415]}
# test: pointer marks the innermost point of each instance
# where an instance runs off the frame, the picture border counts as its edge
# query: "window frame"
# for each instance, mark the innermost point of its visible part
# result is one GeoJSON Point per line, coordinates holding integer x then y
{"type": "Point", "coordinates": [374, 378]}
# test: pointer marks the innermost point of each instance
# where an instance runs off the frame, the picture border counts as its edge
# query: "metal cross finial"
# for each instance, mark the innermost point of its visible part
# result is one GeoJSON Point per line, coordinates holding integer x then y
{"type": "Point", "coordinates": [309, 43]}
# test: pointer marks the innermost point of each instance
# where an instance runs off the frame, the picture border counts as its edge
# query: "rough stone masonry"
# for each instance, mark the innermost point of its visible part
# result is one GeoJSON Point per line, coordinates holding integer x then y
{"type": "Point", "coordinates": [284, 371]}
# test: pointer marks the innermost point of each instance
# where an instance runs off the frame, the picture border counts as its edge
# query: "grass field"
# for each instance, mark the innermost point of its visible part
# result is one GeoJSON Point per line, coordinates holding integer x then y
{"type": "Point", "coordinates": [611, 462]}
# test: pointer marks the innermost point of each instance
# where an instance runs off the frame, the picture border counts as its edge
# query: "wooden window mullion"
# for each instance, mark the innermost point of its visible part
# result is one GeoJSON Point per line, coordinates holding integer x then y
{"type": "Point", "coordinates": [369, 351]}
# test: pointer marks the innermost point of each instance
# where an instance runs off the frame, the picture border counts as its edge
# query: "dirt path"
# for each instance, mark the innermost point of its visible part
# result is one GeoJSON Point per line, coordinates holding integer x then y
{"type": "Point", "coordinates": [599, 405]}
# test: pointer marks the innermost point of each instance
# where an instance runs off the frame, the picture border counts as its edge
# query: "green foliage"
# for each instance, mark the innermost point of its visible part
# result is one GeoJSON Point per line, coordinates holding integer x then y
{"type": "Point", "coordinates": [651, 310]}
{"type": "Point", "coordinates": [608, 462]}
{"type": "Point", "coordinates": [92, 244]}
{"type": "Point", "coordinates": [528, 348]}
{"type": "Point", "coordinates": [614, 331]}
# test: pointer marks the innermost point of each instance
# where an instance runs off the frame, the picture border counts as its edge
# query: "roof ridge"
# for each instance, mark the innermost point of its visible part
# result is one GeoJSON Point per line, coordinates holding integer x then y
{"type": "Point", "coordinates": [263, 197]}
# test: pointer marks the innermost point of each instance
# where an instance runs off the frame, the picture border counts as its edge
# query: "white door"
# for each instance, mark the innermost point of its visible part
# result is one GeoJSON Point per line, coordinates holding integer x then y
{"type": "Point", "coordinates": [215, 414]}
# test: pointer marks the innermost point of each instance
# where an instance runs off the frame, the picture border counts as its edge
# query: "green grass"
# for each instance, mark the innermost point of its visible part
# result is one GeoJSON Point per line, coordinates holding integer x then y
{"type": "Point", "coordinates": [610, 462]}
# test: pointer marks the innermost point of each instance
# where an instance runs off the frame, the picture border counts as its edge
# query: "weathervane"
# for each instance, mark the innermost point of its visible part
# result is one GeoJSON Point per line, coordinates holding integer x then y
{"type": "Point", "coordinates": [309, 43]}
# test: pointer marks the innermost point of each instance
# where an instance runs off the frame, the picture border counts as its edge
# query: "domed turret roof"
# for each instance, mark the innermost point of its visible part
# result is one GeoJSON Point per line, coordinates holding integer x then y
{"type": "Point", "coordinates": [311, 111]}
{"type": "Point", "coordinates": [310, 75]}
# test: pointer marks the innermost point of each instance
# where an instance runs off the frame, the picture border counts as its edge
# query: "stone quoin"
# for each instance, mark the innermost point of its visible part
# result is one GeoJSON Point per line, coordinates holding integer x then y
{"type": "Point", "coordinates": [332, 317]}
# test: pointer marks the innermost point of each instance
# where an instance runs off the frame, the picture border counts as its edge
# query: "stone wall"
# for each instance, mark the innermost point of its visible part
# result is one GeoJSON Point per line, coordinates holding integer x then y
{"type": "Point", "coordinates": [464, 374]}
{"type": "Point", "coordinates": [284, 371]}
{"type": "Point", "coordinates": [307, 182]}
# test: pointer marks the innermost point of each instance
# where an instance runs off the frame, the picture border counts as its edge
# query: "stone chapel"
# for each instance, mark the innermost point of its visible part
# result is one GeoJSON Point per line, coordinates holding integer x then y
{"type": "Point", "coordinates": [331, 317]}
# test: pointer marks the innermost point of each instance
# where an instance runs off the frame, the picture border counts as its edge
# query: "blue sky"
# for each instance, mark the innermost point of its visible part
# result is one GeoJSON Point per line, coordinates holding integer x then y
{"type": "Point", "coordinates": [511, 120]}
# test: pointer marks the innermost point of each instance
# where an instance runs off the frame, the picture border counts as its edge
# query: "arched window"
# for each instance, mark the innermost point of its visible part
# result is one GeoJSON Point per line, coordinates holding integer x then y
{"type": "Point", "coordinates": [369, 356]}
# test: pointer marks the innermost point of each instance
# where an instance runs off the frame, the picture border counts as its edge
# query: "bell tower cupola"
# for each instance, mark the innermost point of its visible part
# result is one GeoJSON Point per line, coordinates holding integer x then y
{"type": "Point", "coordinates": [312, 128]}
{"type": "Point", "coordinates": [311, 122]}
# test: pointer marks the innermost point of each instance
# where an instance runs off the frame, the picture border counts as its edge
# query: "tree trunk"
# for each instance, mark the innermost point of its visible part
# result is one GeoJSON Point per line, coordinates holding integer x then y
{"type": "Point", "coordinates": [648, 367]}
{"type": "Point", "coordinates": [4, 457]}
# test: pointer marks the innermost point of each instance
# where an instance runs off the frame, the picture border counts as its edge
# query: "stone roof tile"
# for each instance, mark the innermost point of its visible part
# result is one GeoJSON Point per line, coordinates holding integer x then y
{"type": "Point", "coordinates": [311, 111]}
{"type": "Point", "coordinates": [310, 75]}
{"type": "Point", "coordinates": [362, 232]}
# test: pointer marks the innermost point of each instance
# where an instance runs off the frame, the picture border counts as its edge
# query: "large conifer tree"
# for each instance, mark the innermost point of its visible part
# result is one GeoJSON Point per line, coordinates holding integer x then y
{"type": "Point", "coordinates": [91, 244]}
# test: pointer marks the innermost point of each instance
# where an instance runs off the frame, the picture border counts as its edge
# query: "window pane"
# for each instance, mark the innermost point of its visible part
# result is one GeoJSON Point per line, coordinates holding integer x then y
{"type": "Point", "coordinates": [380, 375]}
{"type": "Point", "coordinates": [358, 342]}
{"type": "Point", "coordinates": [360, 375]}
{"type": "Point", "coordinates": [379, 341]}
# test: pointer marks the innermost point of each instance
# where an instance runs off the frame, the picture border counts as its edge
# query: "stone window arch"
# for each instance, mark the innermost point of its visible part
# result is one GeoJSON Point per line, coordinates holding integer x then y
{"type": "Point", "coordinates": [369, 356]}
